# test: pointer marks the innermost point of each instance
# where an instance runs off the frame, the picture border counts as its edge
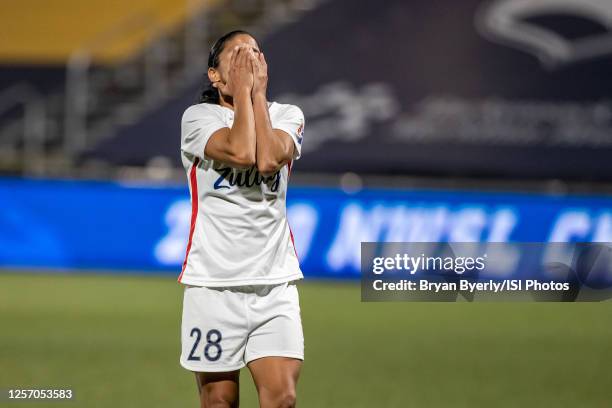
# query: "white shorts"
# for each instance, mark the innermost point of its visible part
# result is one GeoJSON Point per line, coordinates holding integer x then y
{"type": "Point", "coordinates": [225, 328]}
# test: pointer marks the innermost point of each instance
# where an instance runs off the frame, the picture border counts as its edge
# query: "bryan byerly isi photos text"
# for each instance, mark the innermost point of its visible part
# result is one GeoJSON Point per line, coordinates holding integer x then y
{"type": "Point", "coordinates": [459, 265]}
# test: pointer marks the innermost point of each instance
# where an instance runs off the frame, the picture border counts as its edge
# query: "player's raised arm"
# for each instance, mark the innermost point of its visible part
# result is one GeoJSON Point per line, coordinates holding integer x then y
{"type": "Point", "coordinates": [239, 237]}
{"type": "Point", "coordinates": [274, 147]}
{"type": "Point", "coordinates": [236, 146]}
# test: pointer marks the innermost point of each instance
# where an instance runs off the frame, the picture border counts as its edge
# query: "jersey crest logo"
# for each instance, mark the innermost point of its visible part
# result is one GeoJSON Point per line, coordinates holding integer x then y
{"type": "Point", "coordinates": [300, 134]}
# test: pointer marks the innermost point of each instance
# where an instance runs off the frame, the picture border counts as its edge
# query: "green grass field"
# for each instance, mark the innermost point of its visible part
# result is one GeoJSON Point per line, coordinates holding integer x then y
{"type": "Point", "coordinates": [115, 341]}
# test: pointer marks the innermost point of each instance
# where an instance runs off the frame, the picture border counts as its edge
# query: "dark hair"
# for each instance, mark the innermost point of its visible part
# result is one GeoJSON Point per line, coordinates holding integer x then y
{"type": "Point", "coordinates": [210, 94]}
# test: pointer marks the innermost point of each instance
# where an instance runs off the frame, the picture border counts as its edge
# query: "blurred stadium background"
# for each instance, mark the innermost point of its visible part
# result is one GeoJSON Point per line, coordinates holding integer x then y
{"type": "Point", "coordinates": [479, 120]}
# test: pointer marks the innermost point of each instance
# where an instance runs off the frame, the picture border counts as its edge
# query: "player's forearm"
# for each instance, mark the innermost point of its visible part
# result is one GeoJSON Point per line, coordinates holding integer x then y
{"type": "Point", "coordinates": [269, 148]}
{"type": "Point", "coordinates": [241, 139]}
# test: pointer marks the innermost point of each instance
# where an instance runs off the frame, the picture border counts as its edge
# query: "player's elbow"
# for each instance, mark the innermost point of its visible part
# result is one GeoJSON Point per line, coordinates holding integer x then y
{"type": "Point", "coordinates": [268, 167]}
{"type": "Point", "coordinates": [243, 159]}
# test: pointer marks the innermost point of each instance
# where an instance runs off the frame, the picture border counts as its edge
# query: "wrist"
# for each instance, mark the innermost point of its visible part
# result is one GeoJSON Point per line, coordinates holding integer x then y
{"type": "Point", "coordinates": [243, 92]}
{"type": "Point", "coordinates": [259, 94]}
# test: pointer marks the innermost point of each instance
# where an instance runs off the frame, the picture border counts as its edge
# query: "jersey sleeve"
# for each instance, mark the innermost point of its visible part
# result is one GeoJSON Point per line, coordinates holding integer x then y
{"type": "Point", "coordinates": [197, 126]}
{"type": "Point", "coordinates": [292, 121]}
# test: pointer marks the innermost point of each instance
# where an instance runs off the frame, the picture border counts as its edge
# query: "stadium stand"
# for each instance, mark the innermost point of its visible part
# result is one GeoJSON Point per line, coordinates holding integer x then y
{"type": "Point", "coordinates": [47, 53]}
{"type": "Point", "coordinates": [103, 67]}
{"type": "Point", "coordinates": [458, 101]}
{"type": "Point", "coordinates": [465, 100]}
{"type": "Point", "coordinates": [37, 40]}
{"type": "Point", "coordinates": [34, 34]}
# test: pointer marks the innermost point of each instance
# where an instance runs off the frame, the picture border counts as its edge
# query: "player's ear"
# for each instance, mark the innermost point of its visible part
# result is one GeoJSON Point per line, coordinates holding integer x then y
{"type": "Point", "coordinates": [213, 75]}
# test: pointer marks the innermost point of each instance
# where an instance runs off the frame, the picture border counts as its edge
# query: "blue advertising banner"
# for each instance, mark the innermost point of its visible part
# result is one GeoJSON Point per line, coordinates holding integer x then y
{"type": "Point", "coordinates": [113, 226]}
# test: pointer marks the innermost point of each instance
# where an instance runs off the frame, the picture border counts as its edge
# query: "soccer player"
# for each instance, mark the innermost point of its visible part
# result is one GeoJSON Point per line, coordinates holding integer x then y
{"type": "Point", "coordinates": [240, 304]}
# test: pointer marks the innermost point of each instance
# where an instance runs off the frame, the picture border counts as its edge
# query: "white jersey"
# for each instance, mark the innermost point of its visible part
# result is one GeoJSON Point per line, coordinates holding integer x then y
{"type": "Point", "coordinates": [239, 233]}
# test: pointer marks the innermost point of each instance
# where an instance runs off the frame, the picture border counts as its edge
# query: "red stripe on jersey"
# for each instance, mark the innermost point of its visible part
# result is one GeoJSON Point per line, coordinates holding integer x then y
{"type": "Point", "coordinates": [292, 241]}
{"type": "Point", "coordinates": [193, 182]}
{"type": "Point", "coordinates": [291, 232]}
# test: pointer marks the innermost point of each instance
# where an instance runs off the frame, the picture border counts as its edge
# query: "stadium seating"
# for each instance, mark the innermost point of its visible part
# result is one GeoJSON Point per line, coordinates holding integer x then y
{"type": "Point", "coordinates": [424, 87]}
{"type": "Point", "coordinates": [104, 66]}
{"type": "Point", "coordinates": [35, 34]}
{"type": "Point", "coordinates": [462, 100]}
{"type": "Point", "coordinates": [78, 66]}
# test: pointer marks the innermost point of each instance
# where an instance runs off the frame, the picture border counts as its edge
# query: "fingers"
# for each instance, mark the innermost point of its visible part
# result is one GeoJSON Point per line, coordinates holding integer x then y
{"type": "Point", "coordinates": [243, 56]}
{"type": "Point", "coordinates": [237, 57]}
{"type": "Point", "coordinates": [234, 56]}
{"type": "Point", "coordinates": [261, 60]}
{"type": "Point", "coordinates": [251, 62]}
{"type": "Point", "coordinates": [248, 59]}
{"type": "Point", "coordinates": [254, 62]}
